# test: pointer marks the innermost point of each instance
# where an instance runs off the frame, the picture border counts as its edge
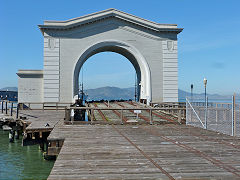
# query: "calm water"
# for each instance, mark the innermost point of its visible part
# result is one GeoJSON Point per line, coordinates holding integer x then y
{"type": "Point", "coordinates": [17, 162]}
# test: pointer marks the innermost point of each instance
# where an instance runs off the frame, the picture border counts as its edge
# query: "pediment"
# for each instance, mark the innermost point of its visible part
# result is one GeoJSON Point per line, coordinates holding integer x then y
{"type": "Point", "coordinates": [107, 14]}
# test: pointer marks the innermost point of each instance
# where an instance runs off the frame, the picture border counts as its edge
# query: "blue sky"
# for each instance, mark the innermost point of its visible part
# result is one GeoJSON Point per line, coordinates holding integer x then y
{"type": "Point", "coordinates": [209, 45]}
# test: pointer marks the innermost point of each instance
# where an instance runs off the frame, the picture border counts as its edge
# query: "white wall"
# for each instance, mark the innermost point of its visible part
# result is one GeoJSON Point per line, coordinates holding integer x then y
{"type": "Point", "coordinates": [72, 43]}
{"type": "Point", "coordinates": [30, 88]}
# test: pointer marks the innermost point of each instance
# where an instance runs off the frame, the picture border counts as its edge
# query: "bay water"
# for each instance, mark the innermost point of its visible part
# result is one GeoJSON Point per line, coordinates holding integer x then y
{"type": "Point", "coordinates": [21, 162]}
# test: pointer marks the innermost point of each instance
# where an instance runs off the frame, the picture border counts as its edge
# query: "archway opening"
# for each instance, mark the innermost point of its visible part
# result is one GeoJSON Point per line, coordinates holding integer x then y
{"type": "Point", "coordinates": [130, 52]}
{"type": "Point", "coordinates": [109, 75]}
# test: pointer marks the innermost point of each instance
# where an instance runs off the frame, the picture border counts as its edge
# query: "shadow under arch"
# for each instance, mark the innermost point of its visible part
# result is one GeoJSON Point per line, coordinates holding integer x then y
{"type": "Point", "coordinates": [130, 52]}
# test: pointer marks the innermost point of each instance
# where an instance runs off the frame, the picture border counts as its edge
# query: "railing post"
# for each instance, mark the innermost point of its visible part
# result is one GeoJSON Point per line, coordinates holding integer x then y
{"type": "Point", "coordinates": [72, 115]}
{"type": "Point", "coordinates": [150, 116]}
{"type": "Point", "coordinates": [216, 114]}
{"type": "Point", "coordinates": [92, 115]}
{"type": "Point", "coordinates": [43, 106]}
{"type": "Point", "coordinates": [179, 116]}
{"type": "Point", "coordinates": [11, 109]}
{"type": "Point", "coordinates": [122, 116]}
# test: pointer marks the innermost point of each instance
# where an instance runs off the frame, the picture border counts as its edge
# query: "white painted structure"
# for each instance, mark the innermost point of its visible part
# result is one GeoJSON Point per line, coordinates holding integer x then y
{"type": "Point", "coordinates": [30, 86]}
{"type": "Point", "coordinates": [150, 47]}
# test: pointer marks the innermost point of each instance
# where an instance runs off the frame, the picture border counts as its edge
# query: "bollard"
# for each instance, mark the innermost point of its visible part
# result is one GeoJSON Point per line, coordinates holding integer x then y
{"type": "Point", "coordinates": [11, 109]}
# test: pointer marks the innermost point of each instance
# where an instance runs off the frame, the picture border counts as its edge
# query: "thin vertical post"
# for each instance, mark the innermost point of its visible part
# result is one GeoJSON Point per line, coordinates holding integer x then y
{"type": "Point", "coordinates": [150, 116]}
{"type": "Point", "coordinates": [216, 114]}
{"type": "Point", "coordinates": [72, 114]}
{"type": "Point", "coordinates": [206, 108]}
{"type": "Point", "coordinates": [17, 111]}
{"type": "Point", "coordinates": [191, 99]}
{"type": "Point", "coordinates": [6, 107]}
{"type": "Point", "coordinates": [2, 106]}
{"type": "Point", "coordinates": [11, 109]}
{"type": "Point", "coordinates": [233, 113]}
{"type": "Point", "coordinates": [122, 116]}
{"type": "Point", "coordinates": [92, 115]}
{"type": "Point", "coordinates": [179, 116]}
{"type": "Point", "coordinates": [234, 106]}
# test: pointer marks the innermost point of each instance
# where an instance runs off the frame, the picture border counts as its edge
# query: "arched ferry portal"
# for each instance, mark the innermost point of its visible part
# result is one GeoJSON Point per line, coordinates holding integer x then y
{"type": "Point", "coordinates": [149, 46]}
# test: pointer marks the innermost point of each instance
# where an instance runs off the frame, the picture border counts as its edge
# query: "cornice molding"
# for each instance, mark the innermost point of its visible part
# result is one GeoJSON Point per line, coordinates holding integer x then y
{"type": "Point", "coordinates": [109, 13]}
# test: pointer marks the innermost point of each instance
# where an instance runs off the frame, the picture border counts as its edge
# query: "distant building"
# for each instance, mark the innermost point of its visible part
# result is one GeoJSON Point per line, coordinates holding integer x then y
{"type": "Point", "coordinates": [150, 47]}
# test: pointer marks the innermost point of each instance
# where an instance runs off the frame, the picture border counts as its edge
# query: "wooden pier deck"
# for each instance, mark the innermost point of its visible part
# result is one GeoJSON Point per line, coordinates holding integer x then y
{"type": "Point", "coordinates": [137, 151]}
{"type": "Point", "coordinates": [145, 152]}
{"type": "Point", "coordinates": [40, 120]}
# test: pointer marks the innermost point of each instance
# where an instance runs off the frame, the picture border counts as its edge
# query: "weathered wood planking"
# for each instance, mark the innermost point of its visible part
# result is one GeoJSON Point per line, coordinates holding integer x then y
{"type": "Point", "coordinates": [38, 119]}
{"type": "Point", "coordinates": [100, 152]}
{"type": "Point", "coordinates": [137, 151]}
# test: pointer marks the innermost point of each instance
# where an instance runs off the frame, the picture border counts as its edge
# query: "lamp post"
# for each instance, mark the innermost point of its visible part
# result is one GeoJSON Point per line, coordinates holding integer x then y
{"type": "Point", "coordinates": [205, 86]}
{"type": "Point", "coordinates": [191, 91]}
{"type": "Point", "coordinates": [191, 99]}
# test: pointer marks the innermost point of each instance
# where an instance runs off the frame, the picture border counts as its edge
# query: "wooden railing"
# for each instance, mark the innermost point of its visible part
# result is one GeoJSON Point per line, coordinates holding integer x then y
{"type": "Point", "coordinates": [43, 105]}
{"type": "Point", "coordinates": [68, 118]}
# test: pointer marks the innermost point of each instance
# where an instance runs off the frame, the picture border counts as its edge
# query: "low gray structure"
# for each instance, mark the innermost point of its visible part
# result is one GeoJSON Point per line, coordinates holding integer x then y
{"type": "Point", "coordinates": [149, 46]}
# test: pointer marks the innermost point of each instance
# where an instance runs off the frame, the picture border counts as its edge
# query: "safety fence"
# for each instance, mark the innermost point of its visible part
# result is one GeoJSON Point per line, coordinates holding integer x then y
{"type": "Point", "coordinates": [215, 116]}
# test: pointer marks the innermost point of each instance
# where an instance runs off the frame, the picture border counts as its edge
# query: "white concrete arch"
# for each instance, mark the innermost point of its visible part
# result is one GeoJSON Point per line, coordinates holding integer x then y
{"type": "Point", "coordinates": [151, 47]}
{"type": "Point", "coordinates": [130, 52]}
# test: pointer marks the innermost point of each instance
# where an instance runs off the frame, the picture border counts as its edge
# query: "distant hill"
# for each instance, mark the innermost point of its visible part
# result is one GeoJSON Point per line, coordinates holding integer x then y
{"type": "Point", "coordinates": [212, 97]}
{"type": "Point", "coordinates": [9, 89]}
{"type": "Point", "coordinates": [110, 93]}
{"type": "Point", "coordinates": [115, 93]}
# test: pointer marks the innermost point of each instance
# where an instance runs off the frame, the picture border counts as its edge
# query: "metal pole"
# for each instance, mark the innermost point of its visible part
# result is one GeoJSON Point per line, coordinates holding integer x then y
{"type": "Point", "coordinates": [191, 92]}
{"type": "Point", "coordinates": [234, 107]}
{"type": "Point", "coordinates": [191, 99]}
{"type": "Point", "coordinates": [205, 107]}
{"type": "Point", "coordinates": [233, 133]}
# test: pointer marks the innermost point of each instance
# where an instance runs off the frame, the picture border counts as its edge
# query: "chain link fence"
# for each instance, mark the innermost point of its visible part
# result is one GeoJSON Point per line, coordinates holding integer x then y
{"type": "Point", "coordinates": [219, 117]}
